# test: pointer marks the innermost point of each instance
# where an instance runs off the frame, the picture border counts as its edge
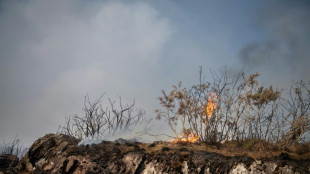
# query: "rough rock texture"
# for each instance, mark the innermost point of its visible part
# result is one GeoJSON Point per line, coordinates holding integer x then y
{"type": "Point", "coordinates": [55, 153]}
{"type": "Point", "coordinates": [8, 161]}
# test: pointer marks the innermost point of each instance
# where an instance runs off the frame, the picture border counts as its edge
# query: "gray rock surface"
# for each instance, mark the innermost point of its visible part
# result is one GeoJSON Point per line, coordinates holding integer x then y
{"type": "Point", "coordinates": [56, 153]}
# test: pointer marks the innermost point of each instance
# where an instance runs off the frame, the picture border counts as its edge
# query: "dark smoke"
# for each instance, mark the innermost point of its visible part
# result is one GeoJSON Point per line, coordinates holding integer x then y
{"type": "Point", "coordinates": [285, 52]}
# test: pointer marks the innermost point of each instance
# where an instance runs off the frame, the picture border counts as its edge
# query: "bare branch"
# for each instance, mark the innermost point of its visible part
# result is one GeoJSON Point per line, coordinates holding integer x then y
{"type": "Point", "coordinates": [97, 120]}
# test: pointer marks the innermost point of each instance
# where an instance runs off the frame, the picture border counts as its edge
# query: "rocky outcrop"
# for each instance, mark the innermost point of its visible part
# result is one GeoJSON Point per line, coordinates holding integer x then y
{"type": "Point", "coordinates": [8, 161]}
{"type": "Point", "coordinates": [56, 153]}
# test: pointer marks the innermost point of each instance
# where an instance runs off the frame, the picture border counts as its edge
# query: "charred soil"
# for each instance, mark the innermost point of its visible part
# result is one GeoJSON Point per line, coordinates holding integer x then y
{"type": "Point", "coordinates": [56, 153]}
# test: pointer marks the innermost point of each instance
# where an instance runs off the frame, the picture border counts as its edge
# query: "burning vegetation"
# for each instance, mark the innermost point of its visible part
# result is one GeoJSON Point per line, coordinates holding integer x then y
{"type": "Point", "coordinates": [231, 122]}
{"type": "Point", "coordinates": [237, 108]}
{"type": "Point", "coordinates": [186, 138]}
{"type": "Point", "coordinates": [233, 107]}
{"type": "Point", "coordinates": [209, 109]}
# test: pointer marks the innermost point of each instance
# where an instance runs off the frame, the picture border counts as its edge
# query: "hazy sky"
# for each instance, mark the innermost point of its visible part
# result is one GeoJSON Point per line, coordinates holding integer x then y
{"type": "Point", "coordinates": [54, 52]}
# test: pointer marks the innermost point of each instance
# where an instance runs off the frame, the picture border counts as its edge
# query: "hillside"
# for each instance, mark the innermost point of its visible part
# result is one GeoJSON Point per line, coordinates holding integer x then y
{"type": "Point", "coordinates": [57, 153]}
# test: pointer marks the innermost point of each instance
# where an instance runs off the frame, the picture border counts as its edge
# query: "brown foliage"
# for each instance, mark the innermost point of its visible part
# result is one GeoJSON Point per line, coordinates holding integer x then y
{"type": "Point", "coordinates": [243, 110]}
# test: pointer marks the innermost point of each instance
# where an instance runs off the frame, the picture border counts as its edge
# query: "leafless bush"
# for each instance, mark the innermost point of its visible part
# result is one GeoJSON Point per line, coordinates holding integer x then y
{"type": "Point", "coordinates": [297, 116]}
{"type": "Point", "coordinates": [13, 147]}
{"type": "Point", "coordinates": [101, 121]}
{"type": "Point", "coordinates": [233, 107]}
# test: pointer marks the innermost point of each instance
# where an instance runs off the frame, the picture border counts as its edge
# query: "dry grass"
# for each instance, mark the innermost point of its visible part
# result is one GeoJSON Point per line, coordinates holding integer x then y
{"type": "Point", "coordinates": [256, 149]}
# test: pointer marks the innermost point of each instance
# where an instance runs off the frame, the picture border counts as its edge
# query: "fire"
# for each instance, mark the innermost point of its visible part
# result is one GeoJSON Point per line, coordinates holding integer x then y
{"type": "Point", "coordinates": [184, 138]}
{"type": "Point", "coordinates": [187, 137]}
{"type": "Point", "coordinates": [211, 104]}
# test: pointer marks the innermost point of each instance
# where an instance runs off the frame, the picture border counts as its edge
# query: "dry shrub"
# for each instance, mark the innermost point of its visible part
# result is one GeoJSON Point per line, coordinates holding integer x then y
{"type": "Point", "coordinates": [13, 147]}
{"type": "Point", "coordinates": [100, 121]}
{"type": "Point", "coordinates": [242, 110]}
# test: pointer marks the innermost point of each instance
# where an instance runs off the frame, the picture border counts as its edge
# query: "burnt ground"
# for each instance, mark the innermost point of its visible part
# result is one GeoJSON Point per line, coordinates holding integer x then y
{"type": "Point", "coordinates": [219, 158]}
{"type": "Point", "coordinates": [56, 153]}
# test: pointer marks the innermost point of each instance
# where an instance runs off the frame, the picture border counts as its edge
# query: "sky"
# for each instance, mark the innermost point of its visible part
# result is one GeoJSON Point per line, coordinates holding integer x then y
{"type": "Point", "coordinates": [53, 53]}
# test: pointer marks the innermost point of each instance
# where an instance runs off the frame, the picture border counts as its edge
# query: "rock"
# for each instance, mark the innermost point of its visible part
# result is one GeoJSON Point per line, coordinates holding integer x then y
{"type": "Point", "coordinates": [46, 152]}
{"type": "Point", "coordinates": [123, 141]}
{"type": "Point", "coordinates": [240, 168]}
{"type": "Point", "coordinates": [185, 167]}
{"type": "Point", "coordinates": [56, 153]}
{"type": "Point", "coordinates": [8, 161]}
{"type": "Point", "coordinates": [132, 161]}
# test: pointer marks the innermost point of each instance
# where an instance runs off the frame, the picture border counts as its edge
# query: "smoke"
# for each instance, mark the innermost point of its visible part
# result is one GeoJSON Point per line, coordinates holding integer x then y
{"type": "Point", "coordinates": [136, 133]}
{"type": "Point", "coordinates": [283, 52]}
{"type": "Point", "coordinates": [55, 52]}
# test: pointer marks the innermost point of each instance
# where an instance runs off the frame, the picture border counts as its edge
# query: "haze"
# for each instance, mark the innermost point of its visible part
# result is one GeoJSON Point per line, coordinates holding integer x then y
{"type": "Point", "coordinates": [53, 53]}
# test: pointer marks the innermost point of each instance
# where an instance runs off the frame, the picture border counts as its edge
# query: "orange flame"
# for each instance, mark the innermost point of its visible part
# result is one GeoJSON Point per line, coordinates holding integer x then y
{"type": "Point", "coordinates": [209, 109]}
{"type": "Point", "coordinates": [184, 138]}
{"type": "Point", "coordinates": [211, 104]}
